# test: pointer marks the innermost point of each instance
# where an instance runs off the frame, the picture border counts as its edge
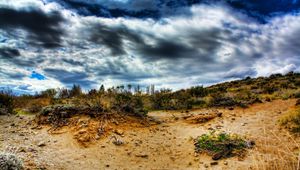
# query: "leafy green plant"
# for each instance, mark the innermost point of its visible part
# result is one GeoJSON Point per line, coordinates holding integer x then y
{"type": "Point", "coordinates": [220, 145]}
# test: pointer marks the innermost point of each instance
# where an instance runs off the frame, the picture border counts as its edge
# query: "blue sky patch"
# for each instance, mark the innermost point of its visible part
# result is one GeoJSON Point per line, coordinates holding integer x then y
{"type": "Point", "coordinates": [35, 75]}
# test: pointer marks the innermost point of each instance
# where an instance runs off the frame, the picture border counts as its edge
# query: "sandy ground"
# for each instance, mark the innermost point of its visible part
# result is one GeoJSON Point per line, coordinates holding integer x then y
{"type": "Point", "coordinates": [168, 145]}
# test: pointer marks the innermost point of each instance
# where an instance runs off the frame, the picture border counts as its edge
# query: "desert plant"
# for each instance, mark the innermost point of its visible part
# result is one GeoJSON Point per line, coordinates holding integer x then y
{"type": "Point", "coordinates": [198, 91]}
{"type": "Point", "coordinates": [297, 95]}
{"type": "Point", "coordinates": [63, 93]}
{"type": "Point", "coordinates": [219, 100]}
{"type": "Point", "coordinates": [292, 120]}
{"type": "Point", "coordinates": [48, 93]}
{"type": "Point", "coordinates": [75, 91]}
{"type": "Point", "coordinates": [10, 161]}
{"type": "Point", "coordinates": [128, 103]}
{"type": "Point", "coordinates": [6, 103]}
{"type": "Point", "coordinates": [220, 145]}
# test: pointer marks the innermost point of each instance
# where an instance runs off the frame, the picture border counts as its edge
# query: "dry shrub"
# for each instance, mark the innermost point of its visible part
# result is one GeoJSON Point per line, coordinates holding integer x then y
{"type": "Point", "coordinates": [9, 161]}
{"type": "Point", "coordinates": [220, 100]}
{"type": "Point", "coordinates": [292, 120]}
{"type": "Point", "coordinates": [6, 103]}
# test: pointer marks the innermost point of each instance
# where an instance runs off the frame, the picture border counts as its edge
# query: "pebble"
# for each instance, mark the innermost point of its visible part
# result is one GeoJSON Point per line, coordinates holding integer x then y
{"type": "Point", "coordinates": [41, 144]}
{"type": "Point", "coordinates": [214, 163]}
{"type": "Point", "coordinates": [119, 132]}
{"type": "Point", "coordinates": [142, 155]}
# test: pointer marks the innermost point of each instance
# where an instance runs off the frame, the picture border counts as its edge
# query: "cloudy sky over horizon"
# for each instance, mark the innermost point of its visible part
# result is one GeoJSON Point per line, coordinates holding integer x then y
{"type": "Point", "coordinates": [169, 43]}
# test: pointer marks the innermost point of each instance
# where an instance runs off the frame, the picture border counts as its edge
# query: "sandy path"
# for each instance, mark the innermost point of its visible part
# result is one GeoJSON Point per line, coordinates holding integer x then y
{"type": "Point", "coordinates": [164, 146]}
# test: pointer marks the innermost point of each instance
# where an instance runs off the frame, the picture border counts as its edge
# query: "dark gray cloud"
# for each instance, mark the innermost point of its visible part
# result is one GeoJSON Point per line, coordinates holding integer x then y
{"type": "Point", "coordinates": [12, 75]}
{"type": "Point", "coordinates": [132, 8]}
{"type": "Point", "coordinates": [210, 43]}
{"type": "Point", "coordinates": [44, 29]}
{"type": "Point", "coordinates": [72, 62]}
{"type": "Point", "coordinates": [69, 78]}
{"type": "Point", "coordinates": [202, 43]}
{"type": "Point", "coordinates": [7, 52]}
{"type": "Point", "coordinates": [112, 37]}
{"type": "Point", "coordinates": [240, 73]}
{"type": "Point", "coordinates": [156, 9]}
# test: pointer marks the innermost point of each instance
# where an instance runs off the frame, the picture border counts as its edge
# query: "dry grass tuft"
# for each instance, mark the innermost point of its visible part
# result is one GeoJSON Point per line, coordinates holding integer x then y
{"type": "Point", "coordinates": [273, 153]}
{"type": "Point", "coordinates": [292, 120]}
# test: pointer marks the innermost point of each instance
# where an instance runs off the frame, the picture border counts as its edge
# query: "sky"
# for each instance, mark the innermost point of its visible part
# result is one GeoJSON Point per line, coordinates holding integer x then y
{"type": "Point", "coordinates": [169, 43]}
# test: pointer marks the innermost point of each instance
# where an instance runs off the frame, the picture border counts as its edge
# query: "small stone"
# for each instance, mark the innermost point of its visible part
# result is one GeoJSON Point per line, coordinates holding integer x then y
{"type": "Point", "coordinates": [206, 166]}
{"type": "Point", "coordinates": [219, 127]}
{"type": "Point", "coordinates": [225, 163]}
{"type": "Point", "coordinates": [142, 155]}
{"type": "Point", "coordinates": [97, 137]}
{"type": "Point", "coordinates": [82, 131]}
{"type": "Point", "coordinates": [214, 163]}
{"type": "Point", "coordinates": [22, 149]}
{"type": "Point", "coordinates": [31, 150]}
{"type": "Point", "coordinates": [119, 132]}
{"type": "Point", "coordinates": [244, 124]}
{"type": "Point", "coordinates": [41, 144]}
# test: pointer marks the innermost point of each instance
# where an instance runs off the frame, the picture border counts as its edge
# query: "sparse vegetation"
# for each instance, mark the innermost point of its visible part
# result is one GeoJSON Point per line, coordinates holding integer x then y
{"type": "Point", "coordinates": [292, 120]}
{"type": "Point", "coordinates": [6, 103]}
{"type": "Point", "coordinates": [239, 93]}
{"type": "Point", "coordinates": [221, 145]}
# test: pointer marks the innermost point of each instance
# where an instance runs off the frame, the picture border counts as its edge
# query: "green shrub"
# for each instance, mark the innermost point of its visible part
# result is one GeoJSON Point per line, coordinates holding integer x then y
{"type": "Point", "coordinates": [6, 103]}
{"type": "Point", "coordinates": [297, 95]}
{"type": "Point", "coordinates": [198, 91]}
{"type": "Point", "coordinates": [220, 145]}
{"type": "Point", "coordinates": [130, 104]}
{"type": "Point", "coordinates": [48, 93]}
{"type": "Point", "coordinates": [219, 100]}
{"type": "Point", "coordinates": [162, 100]}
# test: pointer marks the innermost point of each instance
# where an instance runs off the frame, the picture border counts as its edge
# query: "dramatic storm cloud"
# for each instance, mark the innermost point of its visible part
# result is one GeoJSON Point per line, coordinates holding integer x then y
{"type": "Point", "coordinates": [169, 43]}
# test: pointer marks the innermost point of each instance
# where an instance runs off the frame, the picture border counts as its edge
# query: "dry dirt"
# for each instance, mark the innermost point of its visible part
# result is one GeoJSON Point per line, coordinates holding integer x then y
{"type": "Point", "coordinates": [168, 145]}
